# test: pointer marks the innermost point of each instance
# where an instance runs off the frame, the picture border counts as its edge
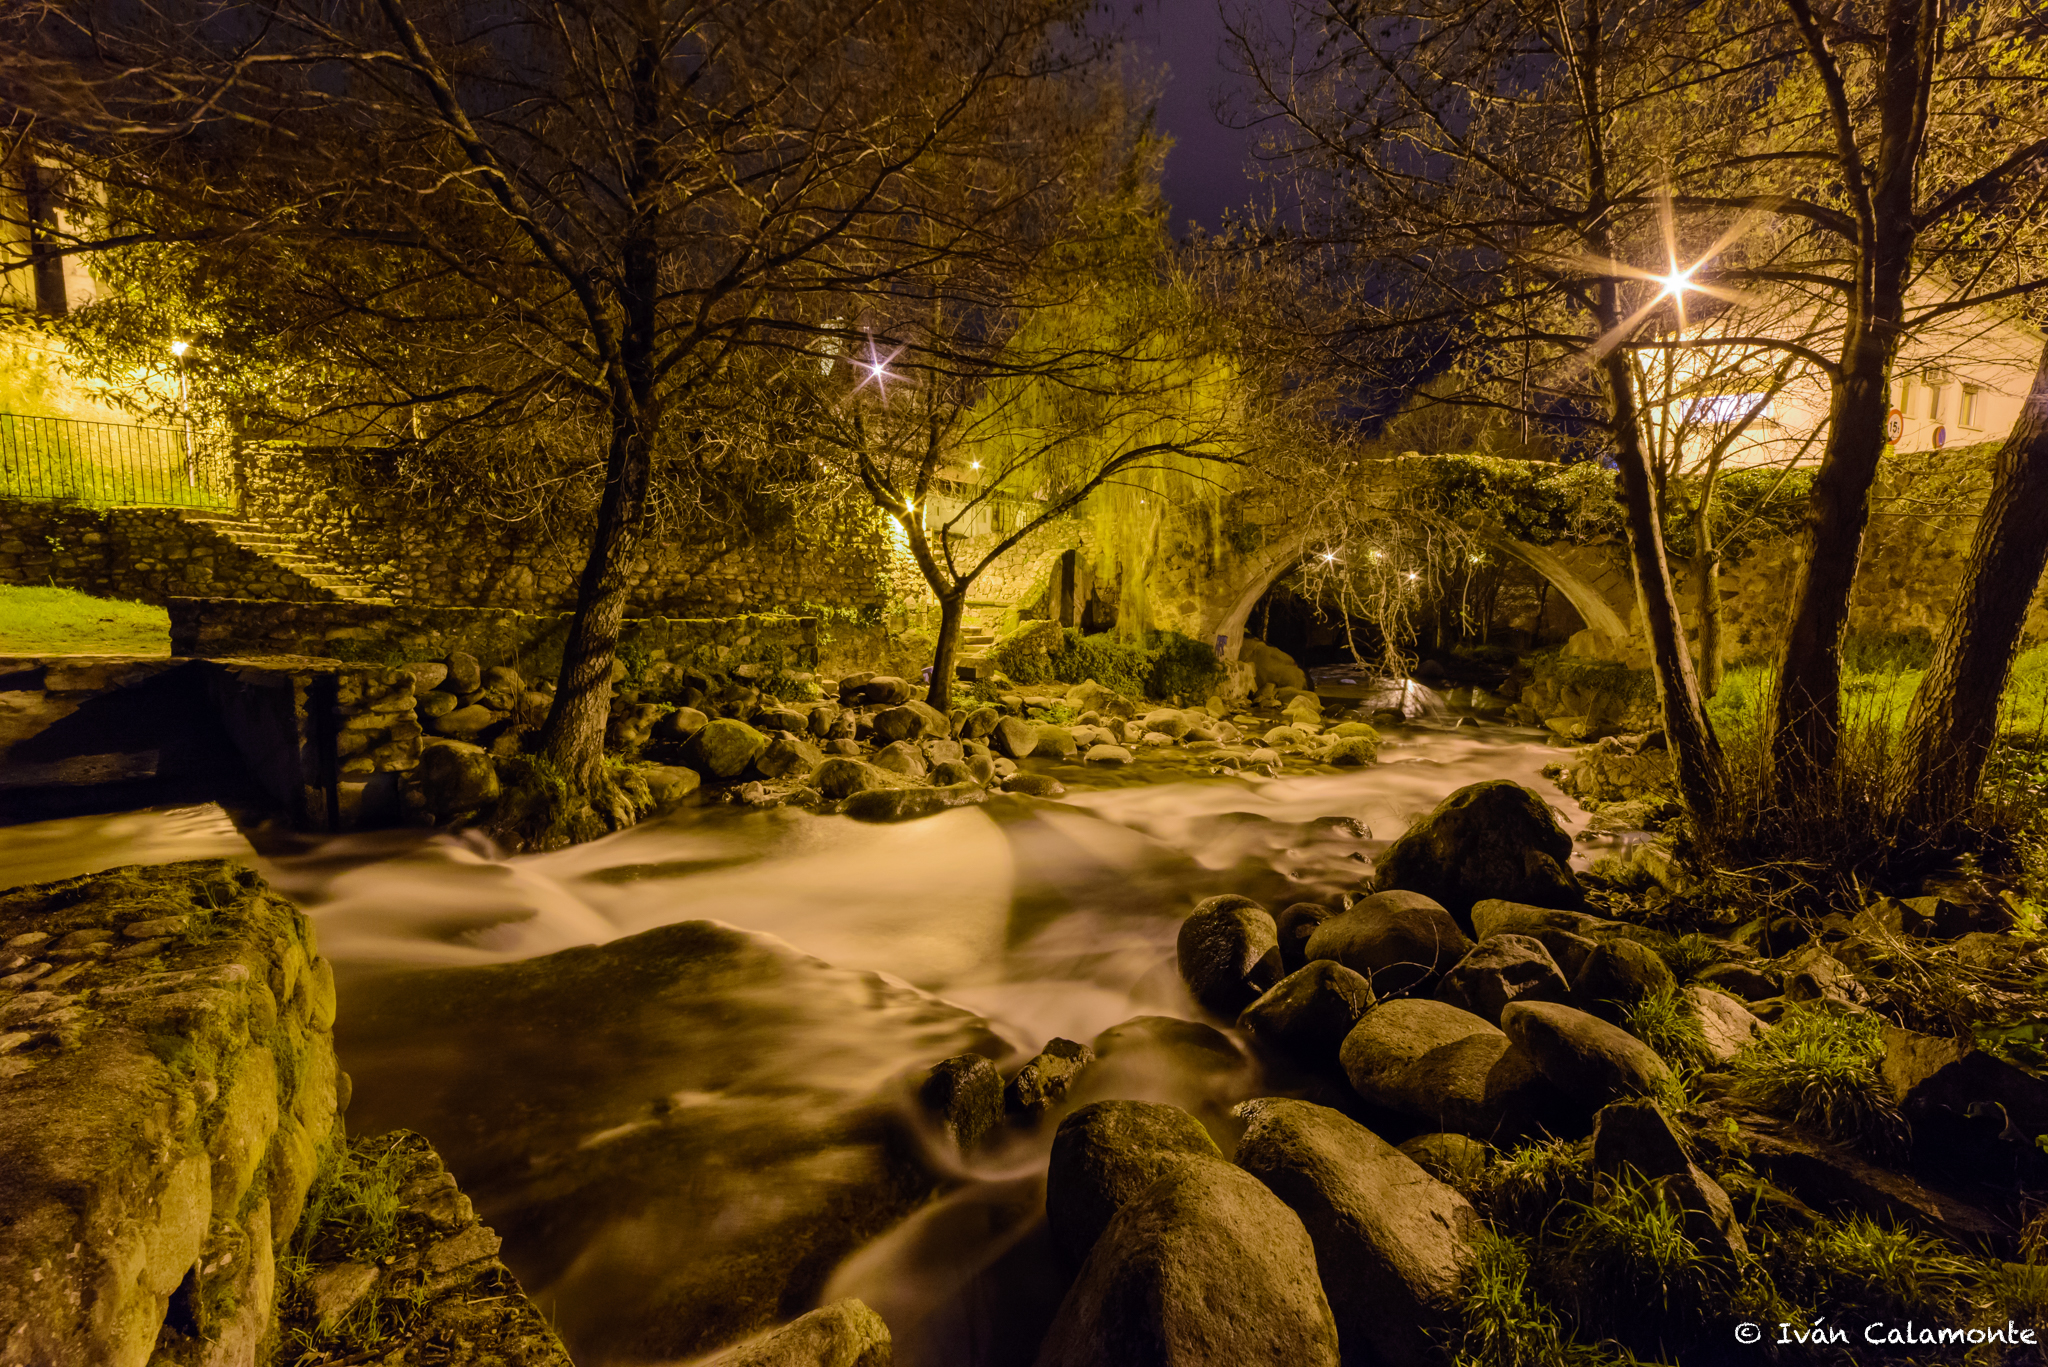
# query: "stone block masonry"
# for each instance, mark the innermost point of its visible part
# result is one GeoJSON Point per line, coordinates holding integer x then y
{"type": "Point", "coordinates": [167, 1086]}
{"type": "Point", "coordinates": [147, 555]}
{"type": "Point", "coordinates": [354, 509]}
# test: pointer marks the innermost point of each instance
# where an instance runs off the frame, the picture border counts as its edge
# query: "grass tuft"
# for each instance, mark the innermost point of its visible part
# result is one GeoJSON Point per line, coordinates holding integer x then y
{"type": "Point", "coordinates": [1666, 1021]}
{"type": "Point", "coordinates": [1819, 1068]}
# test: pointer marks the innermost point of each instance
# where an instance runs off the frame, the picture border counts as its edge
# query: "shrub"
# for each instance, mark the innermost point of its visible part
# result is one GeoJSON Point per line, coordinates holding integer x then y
{"type": "Point", "coordinates": [1819, 1067]}
{"type": "Point", "coordinates": [1120, 666]}
{"type": "Point", "coordinates": [1632, 1269]}
{"type": "Point", "coordinates": [1858, 1269]}
{"type": "Point", "coordinates": [1502, 1323]}
{"type": "Point", "coordinates": [1182, 665]}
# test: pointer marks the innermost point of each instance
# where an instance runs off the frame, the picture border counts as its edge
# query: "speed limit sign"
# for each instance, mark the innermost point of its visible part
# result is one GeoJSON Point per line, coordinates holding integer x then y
{"type": "Point", "coordinates": [1895, 425]}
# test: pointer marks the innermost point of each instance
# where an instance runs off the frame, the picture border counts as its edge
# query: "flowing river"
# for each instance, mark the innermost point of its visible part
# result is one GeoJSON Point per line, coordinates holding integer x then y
{"type": "Point", "coordinates": [639, 1126]}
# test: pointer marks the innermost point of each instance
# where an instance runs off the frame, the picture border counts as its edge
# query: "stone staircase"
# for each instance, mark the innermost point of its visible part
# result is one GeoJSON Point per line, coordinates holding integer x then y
{"type": "Point", "coordinates": [283, 550]}
{"type": "Point", "coordinates": [977, 633]}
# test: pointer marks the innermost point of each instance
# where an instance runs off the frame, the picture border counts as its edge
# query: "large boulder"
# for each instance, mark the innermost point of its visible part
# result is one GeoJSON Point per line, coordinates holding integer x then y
{"type": "Point", "coordinates": [669, 785]}
{"type": "Point", "coordinates": [1309, 1013]}
{"type": "Point", "coordinates": [1272, 666]}
{"type": "Point", "coordinates": [1202, 1267]}
{"type": "Point", "coordinates": [724, 748]}
{"type": "Point", "coordinates": [1725, 1023]}
{"type": "Point", "coordinates": [1586, 1058]}
{"type": "Point", "coordinates": [1014, 738]}
{"type": "Point", "coordinates": [1486, 840]}
{"type": "Point", "coordinates": [1635, 1140]}
{"type": "Point", "coordinates": [787, 757]}
{"type": "Point", "coordinates": [1229, 952]}
{"type": "Point", "coordinates": [1499, 970]}
{"type": "Point", "coordinates": [1393, 1244]}
{"type": "Point", "coordinates": [1427, 1061]}
{"type": "Point", "coordinates": [911, 720]}
{"type": "Point", "coordinates": [909, 804]}
{"type": "Point", "coordinates": [843, 776]}
{"type": "Point", "coordinates": [1399, 941]}
{"type": "Point", "coordinates": [843, 1334]}
{"type": "Point", "coordinates": [1053, 742]}
{"type": "Point", "coordinates": [1935, 1079]}
{"type": "Point", "coordinates": [964, 1096]}
{"type": "Point", "coordinates": [1617, 975]}
{"type": "Point", "coordinates": [678, 725]}
{"type": "Point", "coordinates": [884, 690]}
{"type": "Point", "coordinates": [901, 757]}
{"type": "Point", "coordinates": [1105, 1154]}
{"type": "Point", "coordinates": [454, 777]}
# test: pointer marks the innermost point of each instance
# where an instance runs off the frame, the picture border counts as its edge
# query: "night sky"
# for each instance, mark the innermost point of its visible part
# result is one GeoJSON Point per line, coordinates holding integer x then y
{"type": "Point", "coordinates": [1207, 170]}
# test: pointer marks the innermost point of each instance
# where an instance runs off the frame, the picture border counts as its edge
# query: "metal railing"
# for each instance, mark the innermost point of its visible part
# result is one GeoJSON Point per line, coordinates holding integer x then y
{"type": "Point", "coordinates": [110, 464]}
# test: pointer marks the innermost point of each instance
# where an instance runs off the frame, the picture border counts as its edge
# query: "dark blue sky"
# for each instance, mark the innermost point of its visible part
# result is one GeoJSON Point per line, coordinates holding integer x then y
{"type": "Point", "coordinates": [1207, 170]}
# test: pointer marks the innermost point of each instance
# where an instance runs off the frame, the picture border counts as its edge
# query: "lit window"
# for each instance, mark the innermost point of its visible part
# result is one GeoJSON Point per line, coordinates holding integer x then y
{"type": "Point", "coordinates": [1971, 403]}
{"type": "Point", "coordinates": [1721, 410]}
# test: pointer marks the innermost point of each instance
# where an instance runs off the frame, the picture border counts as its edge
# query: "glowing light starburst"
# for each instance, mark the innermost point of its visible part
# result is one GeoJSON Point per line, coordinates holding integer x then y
{"type": "Point", "coordinates": [877, 368]}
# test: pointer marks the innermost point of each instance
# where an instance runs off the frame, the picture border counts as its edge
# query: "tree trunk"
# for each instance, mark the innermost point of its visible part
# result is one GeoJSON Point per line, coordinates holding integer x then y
{"type": "Point", "coordinates": [1696, 753]}
{"type": "Point", "coordinates": [1806, 725]}
{"type": "Point", "coordinates": [1706, 578]}
{"type": "Point", "coordinates": [572, 740]}
{"type": "Point", "coordinates": [1954, 716]}
{"type": "Point", "coordinates": [952, 608]}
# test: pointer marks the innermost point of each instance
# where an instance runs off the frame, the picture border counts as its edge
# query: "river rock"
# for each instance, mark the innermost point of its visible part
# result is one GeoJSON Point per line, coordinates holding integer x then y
{"type": "Point", "coordinates": [1296, 924]}
{"type": "Point", "coordinates": [1499, 970]}
{"type": "Point", "coordinates": [949, 772]}
{"type": "Point", "coordinates": [909, 804]}
{"type": "Point", "coordinates": [1309, 1012]}
{"type": "Point", "coordinates": [1034, 785]}
{"type": "Point", "coordinates": [1617, 975]}
{"type": "Point", "coordinates": [912, 720]}
{"type": "Point", "coordinates": [724, 748]}
{"type": "Point", "coordinates": [964, 1096]}
{"type": "Point", "coordinates": [1495, 916]}
{"type": "Point", "coordinates": [1167, 1042]}
{"type": "Point", "coordinates": [1201, 1268]}
{"type": "Point", "coordinates": [464, 674]}
{"type": "Point", "coordinates": [1400, 941]}
{"type": "Point", "coordinates": [787, 757]}
{"type": "Point", "coordinates": [1353, 751]}
{"type": "Point", "coordinates": [466, 723]}
{"type": "Point", "coordinates": [941, 750]}
{"type": "Point", "coordinates": [454, 777]}
{"type": "Point", "coordinates": [1728, 1026]}
{"type": "Point", "coordinates": [1486, 840]}
{"type": "Point", "coordinates": [1229, 952]}
{"type": "Point", "coordinates": [670, 785]}
{"type": "Point", "coordinates": [1394, 1246]}
{"type": "Point", "coordinates": [981, 769]}
{"type": "Point", "coordinates": [1586, 1058]}
{"type": "Point", "coordinates": [427, 674]}
{"type": "Point", "coordinates": [1107, 754]}
{"type": "Point", "coordinates": [1167, 722]}
{"type": "Point", "coordinates": [1453, 1159]}
{"type": "Point", "coordinates": [823, 716]}
{"type": "Point", "coordinates": [885, 690]}
{"type": "Point", "coordinates": [1937, 1079]}
{"type": "Point", "coordinates": [843, 1334]}
{"type": "Point", "coordinates": [502, 686]}
{"type": "Point", "coordinates": [1636, 1140]}
{"type": "Point", "coordinates": [1106, 1153]}
{"type": "Point", "coordinates": [1054, 742]}
{"type": "Point", "coordinates": [843, 776]}
{"type": "Point", "coordinates": [1043, 1083]}
{"type": "Point", "coordinates": [1014, 738]}
{"type": "Point", "coordinates": [901, 757]}
{"type": "Point", "coordinates": [1426, 1060]}
{"type": "Point", "coordinates": [982, 721]}
{"type": "Point", "coordinates": [1746, 981]}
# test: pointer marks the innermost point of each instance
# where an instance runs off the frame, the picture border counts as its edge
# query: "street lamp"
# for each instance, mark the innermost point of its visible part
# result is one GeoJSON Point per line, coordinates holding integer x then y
{"type": "Point", "coordinates": [178, 350]}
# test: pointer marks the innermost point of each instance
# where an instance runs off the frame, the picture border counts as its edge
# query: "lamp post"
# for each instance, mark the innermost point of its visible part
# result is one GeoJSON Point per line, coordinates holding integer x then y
{"type": "Point", "coordinates": [178, 350]}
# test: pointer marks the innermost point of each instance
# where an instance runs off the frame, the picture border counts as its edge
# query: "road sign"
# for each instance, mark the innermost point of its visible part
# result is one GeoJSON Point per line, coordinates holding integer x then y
{"type": "Point", "coordinates": [1940, 437]}
{"type": "Point", "coordinates": [1894, 426]}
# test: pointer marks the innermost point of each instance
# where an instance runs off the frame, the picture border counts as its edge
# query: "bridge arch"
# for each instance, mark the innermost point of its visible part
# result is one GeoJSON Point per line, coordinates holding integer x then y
{"type": "Point", "coordinates": [1602, 596]}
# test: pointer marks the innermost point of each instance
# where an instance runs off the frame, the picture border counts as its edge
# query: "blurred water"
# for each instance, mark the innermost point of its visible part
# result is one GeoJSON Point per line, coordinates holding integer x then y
{"type": "Point", "coordinates": [1042, 919]}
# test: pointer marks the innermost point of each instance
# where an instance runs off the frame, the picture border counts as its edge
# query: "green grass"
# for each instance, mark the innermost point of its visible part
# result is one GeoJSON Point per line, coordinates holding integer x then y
{"type": "Point", "coordinates": [49, 621]}
{"type": "Point", "coordinates": [1818, 1067]}
{"type": "Point", "coordinates": [1666, 1021]}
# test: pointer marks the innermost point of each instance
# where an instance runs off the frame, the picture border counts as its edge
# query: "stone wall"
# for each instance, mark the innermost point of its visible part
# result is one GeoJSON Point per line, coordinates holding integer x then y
{"type": "Point", "coordinates": [144, 554]}
{"type": "Point", "coordinates": [167, 1086]}
{"type": "Point", "coordinates": [427, 547]}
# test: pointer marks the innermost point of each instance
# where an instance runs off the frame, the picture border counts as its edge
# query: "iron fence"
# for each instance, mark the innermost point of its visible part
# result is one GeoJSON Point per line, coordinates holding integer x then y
{"type": "Point", "coordinates": [109, 464]}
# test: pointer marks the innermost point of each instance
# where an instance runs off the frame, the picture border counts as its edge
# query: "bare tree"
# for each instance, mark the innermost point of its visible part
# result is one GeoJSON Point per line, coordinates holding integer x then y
{"type": "Point", "coordinates": [604, 205]}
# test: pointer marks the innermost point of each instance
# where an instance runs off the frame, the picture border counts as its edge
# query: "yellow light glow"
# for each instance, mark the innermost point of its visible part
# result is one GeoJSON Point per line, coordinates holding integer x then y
{"type": "Point", "coordinates": [179, 348]}
{"type": "Point", "coordinates": [974, 465]}
{"type": "Point", "coordinates": [1677, 283]}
